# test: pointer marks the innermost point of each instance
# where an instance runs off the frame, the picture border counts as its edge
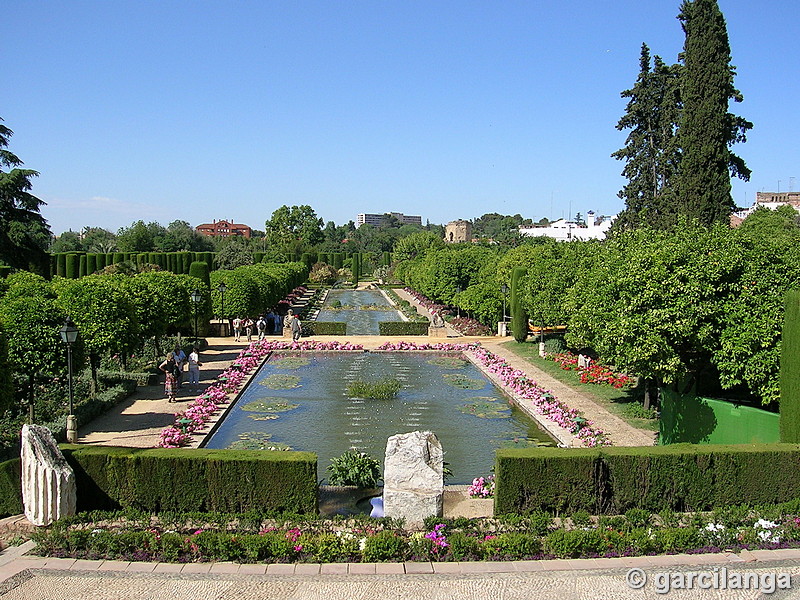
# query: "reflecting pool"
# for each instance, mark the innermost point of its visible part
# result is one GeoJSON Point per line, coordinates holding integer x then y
{"type": "Point", "coordinates": [362, 310]}
{"type": "Point", "coordinates": [301, 401]}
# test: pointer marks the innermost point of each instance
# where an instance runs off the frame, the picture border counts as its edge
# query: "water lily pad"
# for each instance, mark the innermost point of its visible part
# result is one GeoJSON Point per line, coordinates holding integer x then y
{"type": "Point", "coordinates": [462, 381]}
{"type": "Point", "coordinates": [486, 408]}
{"type": "Point", "coordinates": [448, 362]}
{"type": "Point", "coordinates": [257, 440]}
{"type": "Point", "coordinates": [269, 405]}
{"type": "Point", "coordinates": [290, 362]}
{"type": "Point", "coordinates": [263, 417]}
{"type": "Point", "coordinates": [280, 381]}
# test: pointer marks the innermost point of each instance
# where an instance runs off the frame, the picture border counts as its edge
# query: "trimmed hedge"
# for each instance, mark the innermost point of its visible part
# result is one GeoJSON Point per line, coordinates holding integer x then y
{"type": "Point", "coordinates": [324, 328]}
{"type": "Point", "coordinates": [790, 370]}
{"type": "Point", "coordinates": [11, 488]}
{"type": "Point", "coordinates": [403, 327]}
{"type": "Point", "coordinates": [189, 480]}
{"type": "Point", "coordinates": [679, 477]}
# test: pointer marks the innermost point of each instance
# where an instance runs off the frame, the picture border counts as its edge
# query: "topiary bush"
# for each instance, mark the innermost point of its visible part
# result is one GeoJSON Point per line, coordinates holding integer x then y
{"type": "Point", "coordinates": [790, 370]}
{"type": "Point", "coordinates": [519, 318]}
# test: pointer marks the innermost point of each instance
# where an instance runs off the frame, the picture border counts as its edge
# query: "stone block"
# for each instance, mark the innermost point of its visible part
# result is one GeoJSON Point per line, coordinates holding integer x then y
{"type": "Point", "coordinates": [413, 479]}
{"type": "Point", "coordinates": [48, 482]}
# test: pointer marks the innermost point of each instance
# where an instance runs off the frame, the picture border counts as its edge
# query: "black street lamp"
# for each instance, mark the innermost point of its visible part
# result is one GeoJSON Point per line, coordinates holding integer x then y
{"type": "Point", "coordinates": [197, 298]}
{"type": "Point", "coordinates": [222, 288]}
{"type": "Point", "coordinates": [69, 335]}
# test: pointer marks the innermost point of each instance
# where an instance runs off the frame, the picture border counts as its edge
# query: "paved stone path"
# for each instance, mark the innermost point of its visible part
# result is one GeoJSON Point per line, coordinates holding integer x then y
{"type": "Point", "coordinates": [28, 578]}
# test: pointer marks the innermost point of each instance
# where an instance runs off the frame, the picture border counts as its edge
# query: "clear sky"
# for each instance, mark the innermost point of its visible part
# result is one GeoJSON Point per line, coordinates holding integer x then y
{"type": "Point", "coordinates": [226, 110]}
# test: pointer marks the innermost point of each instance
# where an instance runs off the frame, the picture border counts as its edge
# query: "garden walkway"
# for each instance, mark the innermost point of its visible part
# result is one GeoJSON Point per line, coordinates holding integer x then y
{"type": "Point", "coordinates": [28, 578]}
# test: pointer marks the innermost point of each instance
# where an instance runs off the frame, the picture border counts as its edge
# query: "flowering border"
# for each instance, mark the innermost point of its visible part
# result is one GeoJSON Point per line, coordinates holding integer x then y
{"type": "Point", "coordinates": [209, 403]}
{"type": "Point", "coordinates": [518, 384]}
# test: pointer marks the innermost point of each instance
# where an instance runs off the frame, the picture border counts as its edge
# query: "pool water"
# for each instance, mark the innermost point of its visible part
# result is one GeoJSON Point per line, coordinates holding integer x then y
{"type": "Point", "coordinates": [301, 401]}
{"type": "Point", "coordinates": [362, 310]}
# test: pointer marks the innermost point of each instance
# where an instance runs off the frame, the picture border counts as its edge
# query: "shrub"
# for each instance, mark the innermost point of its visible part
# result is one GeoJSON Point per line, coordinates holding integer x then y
{"type": "Point", "coordinates": [379, 390]}
{"type": "Point", "coordinates": [355, 468]}
{"type": "Point", "coordinates": [512, 546]}
{"type": "Point", "coordinates": [519, 318]}
{"type": "Point", "coordinates": [324, 328]}
{"type": "Point", "coordinates": [790, 370]}
{"type": "Point", "coordinates": [384, 546]}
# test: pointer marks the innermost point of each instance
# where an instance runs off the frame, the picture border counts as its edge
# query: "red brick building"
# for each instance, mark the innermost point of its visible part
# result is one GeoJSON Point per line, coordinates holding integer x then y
{"type": "Point", "coordinates": [224, 228]}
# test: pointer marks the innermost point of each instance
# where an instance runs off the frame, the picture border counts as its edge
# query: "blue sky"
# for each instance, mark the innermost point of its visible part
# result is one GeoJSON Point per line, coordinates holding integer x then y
{"type": "Point", "coordinates": [199, 111]}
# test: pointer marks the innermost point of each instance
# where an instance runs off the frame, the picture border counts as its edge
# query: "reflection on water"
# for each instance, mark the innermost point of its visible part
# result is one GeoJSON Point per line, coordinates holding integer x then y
{"type": "Point", "coordinates": [362, 310]}
{"type": "Point", "coordinates": [444, 394]}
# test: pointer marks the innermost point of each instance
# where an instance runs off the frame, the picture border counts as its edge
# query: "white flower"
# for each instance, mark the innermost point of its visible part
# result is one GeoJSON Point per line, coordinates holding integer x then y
{"type": "Point", "coordinates": [362, 543]}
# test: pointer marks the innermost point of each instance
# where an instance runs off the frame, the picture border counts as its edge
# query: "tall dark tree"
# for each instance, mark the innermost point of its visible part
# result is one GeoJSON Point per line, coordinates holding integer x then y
{"type": "Point", "coordinates": [24, 234]}
{"type": "Point", "coordinates": [707, 130]}
{"type": "Point", "coordinates": [651, 153]}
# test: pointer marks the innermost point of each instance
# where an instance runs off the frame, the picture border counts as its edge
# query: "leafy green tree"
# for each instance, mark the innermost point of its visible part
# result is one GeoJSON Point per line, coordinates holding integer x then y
{"type": "Point", "coordinates": [24, 234]}
{"type": "Point", "coordinates": [103, 312]}
{"type": "Point", "coordinates": [707, 130]}
{"type": "Point", "coordinates": [180, 236]}
{"type": "Point", "coordinates": [651, 153]}
{"type": "Point", "coordinates": [139, 237]}
{"type": "Point", "coordinates": [97, 239]}
{"type": "Point", "coordinates": [69, 241]}
{"type": "Point", "coordinates": [234, 254]}
{"type": "Point", "coordinates": [416, 244]}
{"type": "Point", "coordinates": [294, 228]}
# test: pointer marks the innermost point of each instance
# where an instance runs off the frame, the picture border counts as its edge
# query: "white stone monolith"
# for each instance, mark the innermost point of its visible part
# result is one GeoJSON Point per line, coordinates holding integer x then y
{"type": "Point", "coordinates": [48, 482]}
{"type": "Point", "coordinates": [413, 477]}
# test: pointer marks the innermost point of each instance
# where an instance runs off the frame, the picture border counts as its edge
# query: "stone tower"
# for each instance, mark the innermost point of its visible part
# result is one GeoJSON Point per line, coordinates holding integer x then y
{"type": "Point", "coordinates": [458, 231]}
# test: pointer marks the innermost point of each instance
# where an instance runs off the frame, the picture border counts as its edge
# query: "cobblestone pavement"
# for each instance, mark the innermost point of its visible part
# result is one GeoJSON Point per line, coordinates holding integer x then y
{"type": "Point", "coordinates": [25, 578]}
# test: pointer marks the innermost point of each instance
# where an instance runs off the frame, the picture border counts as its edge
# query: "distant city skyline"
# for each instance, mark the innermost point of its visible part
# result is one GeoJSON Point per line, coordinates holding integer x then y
{"type": "Point", "coordinates": [448, 110]}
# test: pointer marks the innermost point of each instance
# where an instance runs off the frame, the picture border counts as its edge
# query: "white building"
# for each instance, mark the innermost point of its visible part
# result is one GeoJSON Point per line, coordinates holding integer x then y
{"type": "Point", "coordinates": [375, 219]}
{"type": "Point", "coordinates": [770, 200]}
{"type": "Point", "coordinates": [566, 231]}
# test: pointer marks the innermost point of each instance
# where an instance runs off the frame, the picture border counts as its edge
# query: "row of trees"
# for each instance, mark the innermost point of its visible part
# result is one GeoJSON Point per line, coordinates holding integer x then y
{"type": "Point", "coordinates": [678, 158]}
{"type": "Point", "coordinates": [696, 306]}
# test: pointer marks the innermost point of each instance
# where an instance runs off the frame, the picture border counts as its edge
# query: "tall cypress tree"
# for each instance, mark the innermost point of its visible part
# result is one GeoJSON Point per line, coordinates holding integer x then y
{"type": "Point", "coordinates": [707, 129]}
{"type": "Point", "coordinates": [650, 153]}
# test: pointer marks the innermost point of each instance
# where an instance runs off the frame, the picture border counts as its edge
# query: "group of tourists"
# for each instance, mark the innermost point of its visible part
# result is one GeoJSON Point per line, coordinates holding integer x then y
{"type": "Point", "coordinates": [173, 368]}
{"type": "Point", "coordinates": [268, 324]}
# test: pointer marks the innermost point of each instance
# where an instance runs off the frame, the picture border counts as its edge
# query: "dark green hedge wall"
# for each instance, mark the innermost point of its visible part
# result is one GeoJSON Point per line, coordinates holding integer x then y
{"type": "Point", "coordinates": [10, 488]}
{"type": "Point", "coordinates": [681, 477]}
{"type": "Point", "coordinates": [790, 370]}
{"type": "Point", "coordinates": [163, 479]}
{"type": "Point", "coordinates": [403, 327]}
{"type": "Point", "coordinates": [324, 328]}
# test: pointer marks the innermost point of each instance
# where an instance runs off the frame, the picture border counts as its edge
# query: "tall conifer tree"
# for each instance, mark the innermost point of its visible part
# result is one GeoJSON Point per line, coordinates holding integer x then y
{"type": "Point", "coordinates": [650, 151]}
{"type": "Point", "coordinates": [707, 129]}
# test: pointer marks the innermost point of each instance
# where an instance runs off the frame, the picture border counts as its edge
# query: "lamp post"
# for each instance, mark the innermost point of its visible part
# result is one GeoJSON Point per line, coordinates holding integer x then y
{"type": "Point", "coordinates": [197, 298]}
{"type": "Point", "coordinates": [69, 335]}
{"type": "Point", "coordinates": [222, 288]}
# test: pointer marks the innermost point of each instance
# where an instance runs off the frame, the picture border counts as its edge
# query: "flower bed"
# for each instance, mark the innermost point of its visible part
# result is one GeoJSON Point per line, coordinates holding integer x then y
{"type": "Point", "coordinates": [517, 383]}
{"type": "Point", "coordinates": [595, 373]}
{"type": "Point", "coordinates": [248, 538]}
{"type": "Point", "coordinates": [210, 402]}
{"type": "Point", "coordinates": [464, 325]}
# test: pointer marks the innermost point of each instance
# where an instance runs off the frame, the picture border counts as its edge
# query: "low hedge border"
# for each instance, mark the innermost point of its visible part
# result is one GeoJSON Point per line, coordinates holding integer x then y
{"type": "Point", "coordinates": [324, 328]}
{"type": "Point", "coordinates": [403, 328]}
{"type": "Point", "coordinates": [253, 537]}
{"type": "Point", "coordinates": [161, 479]}
{"type": "Point", "coordinates": [680, 477]}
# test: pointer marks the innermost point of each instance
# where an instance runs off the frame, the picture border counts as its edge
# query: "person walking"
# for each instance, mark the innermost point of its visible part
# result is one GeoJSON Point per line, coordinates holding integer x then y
{"type": "Point", "coordinates": [170, 369]}
{"type": "Point", "coordinates": [194, 369]}
{"type": "Point", "coordinates": [296, 327]}
{"type": "Point", "coordinates": [180, 360]}
{"type": "Point", "coordinates": [261, 327]}
{"type": "Point", "coordinates": [278, 322]}
{"type": "Point", "coordinates": [248, 328]}
{"type": "Point", "coordinates": [270, 322]}
{"type": "Point", "coordinates": [237, 329]}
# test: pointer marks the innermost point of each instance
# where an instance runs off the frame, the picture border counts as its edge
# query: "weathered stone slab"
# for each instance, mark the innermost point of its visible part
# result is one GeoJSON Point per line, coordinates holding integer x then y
{"type": "Point", "coordinates": [48, 482]}
{"type": "Point", "coordinates": [413, 480]}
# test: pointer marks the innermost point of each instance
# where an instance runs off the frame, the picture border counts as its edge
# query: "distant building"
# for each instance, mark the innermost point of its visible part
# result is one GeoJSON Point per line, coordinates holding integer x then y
{"type": "Point", "coordinates": [375, 219]}
{"type": "Point", "coordinates": [566, 231]}
{"type": "Point", "coordinates": [771, 200]}
{"type": "Point", "coordinates": [458, 231]}
{"type": "Point", "coordinates": [224, 228]}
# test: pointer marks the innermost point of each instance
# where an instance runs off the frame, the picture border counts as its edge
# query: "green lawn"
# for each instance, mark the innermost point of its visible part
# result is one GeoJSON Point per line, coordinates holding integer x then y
{"type": "Point", "coordinates": [620, 402]}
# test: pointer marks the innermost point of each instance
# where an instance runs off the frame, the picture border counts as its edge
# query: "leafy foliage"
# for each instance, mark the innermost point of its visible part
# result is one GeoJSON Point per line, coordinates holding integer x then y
{"type": "Point", "coordinates": [355, 468]}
